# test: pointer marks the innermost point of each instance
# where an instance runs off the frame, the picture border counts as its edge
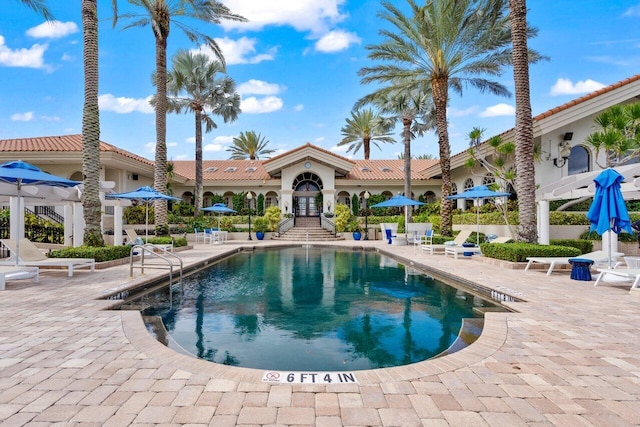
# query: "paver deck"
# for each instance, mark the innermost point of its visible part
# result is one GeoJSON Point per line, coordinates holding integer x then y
{"type": "Point", "coordinates": [569, 356]}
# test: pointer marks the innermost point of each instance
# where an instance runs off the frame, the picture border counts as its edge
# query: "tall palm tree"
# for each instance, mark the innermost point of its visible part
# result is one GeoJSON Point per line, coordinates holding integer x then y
{"type": "Point", "coordinates": [525, 183]}
{"type": "Point", "coordinates": [160, 14]}
{"type": "Point", "coordinates": [414, 110]}
{"type": "Point", "coordinates": [442, 44]}
{"type": "Point", "coordinates": [92, 206]}
{"type": "Point", "coordinates": [193, 88]}
{"type": "Point", "coordinates": [363, 128]}
{"type": "Point", "coordinates": [249, 145]}
{"type": "Point", "coordinates": [40, 7]}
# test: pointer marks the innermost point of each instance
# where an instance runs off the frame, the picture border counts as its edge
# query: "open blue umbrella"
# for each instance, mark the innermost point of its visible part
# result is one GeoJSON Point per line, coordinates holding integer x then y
{"type": "Point", "coordinates": [145, 194]}
{"type": "Point", "coordinates": [477, 193]}
{"type": "Point", "coordinates": [220, 208]}
{"type": "Point", "coordinates": [397, 201]}
{"type": "Point", "coordinates": [608, 210]}
{"type": "Point", "coordinates": [22, 173]}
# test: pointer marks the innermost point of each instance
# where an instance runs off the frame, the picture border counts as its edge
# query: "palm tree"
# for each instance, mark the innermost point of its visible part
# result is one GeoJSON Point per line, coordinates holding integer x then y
{"type": "Point", "coordinates": [193, 88]}
{"type": "Point", "coordinates": [363, 128]}
{"type": "Point", "coordinates": [617, 134]}
{"type": "Point", "coordinates": [525, 184]}
{"type": "Point", "coordinates": [441, 45]}
{"type": "Point", "coordinates": [249, 145]}
{"type": "Point", "coordinates": [160, 14]}
{"type": "Point", "coordinates": [414, 111]}
{"type": "Point", "coordinates": [92, 206]}
{"type": "Point", "coordinates": [40, 7]}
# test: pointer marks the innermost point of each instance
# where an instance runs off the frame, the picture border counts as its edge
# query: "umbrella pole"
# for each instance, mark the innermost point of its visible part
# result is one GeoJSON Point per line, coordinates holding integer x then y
{"type": "Point", "coordinates": [146, 220]}
{"type": "Point", "coordinates": [478, 225]}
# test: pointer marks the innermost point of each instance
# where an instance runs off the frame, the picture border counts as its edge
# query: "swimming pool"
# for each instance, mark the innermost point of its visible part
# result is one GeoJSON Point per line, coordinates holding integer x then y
{"type": "Point", "coordinates": [312, 309]}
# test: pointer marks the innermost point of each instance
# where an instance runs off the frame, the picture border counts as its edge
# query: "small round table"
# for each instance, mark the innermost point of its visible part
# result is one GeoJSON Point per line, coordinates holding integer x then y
{"type": "Point", "coordinates": [581, 268]}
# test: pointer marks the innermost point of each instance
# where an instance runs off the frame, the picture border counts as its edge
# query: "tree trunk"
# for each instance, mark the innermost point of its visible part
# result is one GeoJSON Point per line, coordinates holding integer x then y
{"type": "Point", "coordinates": [366, 142]}
{"type": "Point", "coordinates": [440, 89]}
{"type": "Point", "coordinates": [525, 167]}
{"type": "Point", "coordinates": [91, 128]}
{"type": "Point", "coordinates": [406, 138]}
{"type": "Point", "coordinates": [160, 171]}
{"type": "Point", "coordinates": [198, 189]}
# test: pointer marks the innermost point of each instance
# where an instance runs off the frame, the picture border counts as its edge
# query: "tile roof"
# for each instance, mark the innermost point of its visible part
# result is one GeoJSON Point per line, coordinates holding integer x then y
{"type": "Point", "coordinates": [65, 143]}
{"type": "Point", "coordinates": [387, 169]}
{"type": "Point", "coordinates": [302, 147]}
{"type": "Point", "coordinates": [223, 170]}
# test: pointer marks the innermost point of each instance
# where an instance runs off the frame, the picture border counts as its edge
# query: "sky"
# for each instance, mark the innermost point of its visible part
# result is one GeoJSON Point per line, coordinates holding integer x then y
{"type": "Point", "coordinates": [295, 64]}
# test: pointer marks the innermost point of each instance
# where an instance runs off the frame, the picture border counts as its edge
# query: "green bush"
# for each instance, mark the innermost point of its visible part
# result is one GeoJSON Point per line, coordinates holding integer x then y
{"type": "Point", "coordinates": [585, 246]}
{"type": "Point", "coordinates": [622, 237]}
{"type": "Point", "coordinates": [343, 217]}
{"type": "Point", "coordinates": [100, 254]}
{"type": "Point", "coordinates": [518, 252]}
{"type": "Point", "coordinates": [272, 215]}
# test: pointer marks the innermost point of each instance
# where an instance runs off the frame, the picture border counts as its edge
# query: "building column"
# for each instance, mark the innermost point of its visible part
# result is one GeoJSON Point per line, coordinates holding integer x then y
{"type": "Point", "coordinates": [118, 212]}
{"type": "Point", "coordinates": [286, 201]}
{"type": "Point", "coordinates": [78, 224]}
{"type": "Point", "coordinates": [329, 200]}
{"type": "Point", "coordinates": [543, 222]}
{"type": "Point", "coordinates": [68, 224]}
{"type": "Point", "coordinates": [16, 213]}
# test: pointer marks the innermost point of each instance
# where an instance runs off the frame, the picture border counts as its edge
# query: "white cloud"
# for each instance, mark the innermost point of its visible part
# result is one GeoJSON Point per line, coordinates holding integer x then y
{"type": "Point", "coordinates": [29, 58]}
{"type": "Point", "coordinates": [22, 117]}
{"type": "Point", "coordinates": [299, 107]}
{"type": "Point", "coordinates": [567, 87]}
{"type": "Point", "coordinates": [339, 149]}
{"type": "Point", "coordinates": [241, 51]}
{"type": "Point", "coordinates": [223, 139]}
{"type": "Point", "coordinates": [150, 147]}
{"type": "Point", "coordinates": [123, 105]}
{"type": "Point", "coordinates": [319, 140]}
{"type": "Point", "coordinates": [259, 87]}
{"type": "Point", "coordinates": [212, 148]}
{"type": "Point", "coordinates": [316, 16]}
{"type": "Point", "coordinates": [52, 30]}
{"type": "Point", "coordinates": [190, 140]}
{"type": "Point", "coordinates": [499, 110]}
{"type": "Point", "coordinates": [268, 104]}
{"type": "Point", "coordinates": [335, 41]}
{"type": "Point", "coordinates": [632, 11]}
{"type": "Point", "coordinates": [454, 112]}
{"type": "Point", "coordinates": [182, 157]}
{"type": "Point", "coordinates": [172, 144]}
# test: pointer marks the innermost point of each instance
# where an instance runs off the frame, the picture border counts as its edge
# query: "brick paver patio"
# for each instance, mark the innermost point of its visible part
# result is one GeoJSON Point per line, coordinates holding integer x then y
{"type": "Point", "coordinates": [569, 356]}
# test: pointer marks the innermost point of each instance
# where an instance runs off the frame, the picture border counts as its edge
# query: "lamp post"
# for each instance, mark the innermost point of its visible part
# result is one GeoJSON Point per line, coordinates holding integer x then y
{"type": "Point", "coordinates": [366, 215]}
{"type": "Point", "coordinates": [249, 197]}
{"type": "Point", "coordinates": [286, 207]}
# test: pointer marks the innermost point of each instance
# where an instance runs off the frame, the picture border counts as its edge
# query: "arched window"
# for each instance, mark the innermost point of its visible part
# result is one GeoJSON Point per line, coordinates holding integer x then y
{"type": "Point", "coordinates": [454, 189]}
{"type": "Point", "coordinates": [579, 160]}
{"type": "Point", "coordinates": [468, 184]}
{"type": "Point", "coordinates": [430, 197]}
{"type": "Point", "coordinates": [488, 179]}
{"type": "Point", "coordinates": [307, 182]}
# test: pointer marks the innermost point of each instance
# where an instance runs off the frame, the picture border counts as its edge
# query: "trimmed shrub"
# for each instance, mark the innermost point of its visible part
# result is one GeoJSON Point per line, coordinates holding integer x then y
{"type": "Point", "coordinates": [100, 254]}
{"type": "Point", "coordinates": [518, 252]}
{"type": "Point", "coordinates": [585, 246]}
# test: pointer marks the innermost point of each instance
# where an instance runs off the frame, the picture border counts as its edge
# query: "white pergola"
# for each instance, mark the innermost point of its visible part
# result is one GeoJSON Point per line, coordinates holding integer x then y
{"type": "Point", "coordinates": [582, 185]}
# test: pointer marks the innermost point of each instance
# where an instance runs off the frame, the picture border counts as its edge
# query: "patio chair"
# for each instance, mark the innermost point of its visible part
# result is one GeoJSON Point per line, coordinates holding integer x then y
{"type": "Point", "coordinates": [457, 250]}
{"type": "Point", "coordinates": [458, 241]}
{"type": "Point", "coordinates": [630, 272]}
{"type": "Point", "coordinates": [134, 238]}
{"type": "Point", "coordinates": [32, 256]}
{"type": "Point", "coordinates": [200, 235]}
{"type": "Point", "coordinates": [17, 273]}
{"type": "Point", "coordinates": [598, 257]}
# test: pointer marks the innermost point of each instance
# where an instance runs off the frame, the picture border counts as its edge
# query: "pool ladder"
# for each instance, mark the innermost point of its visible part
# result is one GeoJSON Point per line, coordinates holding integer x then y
{"type": "Point", "coordinates": [164, 260]}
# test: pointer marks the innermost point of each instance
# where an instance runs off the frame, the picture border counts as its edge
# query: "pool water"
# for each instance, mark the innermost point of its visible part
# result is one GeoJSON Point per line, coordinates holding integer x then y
{"type": "Point", "coordinates": [312, 309]}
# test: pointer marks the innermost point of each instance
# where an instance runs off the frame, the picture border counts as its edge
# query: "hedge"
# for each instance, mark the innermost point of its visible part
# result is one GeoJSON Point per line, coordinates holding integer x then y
{"type": "Point", "coordinates": [518, 252]}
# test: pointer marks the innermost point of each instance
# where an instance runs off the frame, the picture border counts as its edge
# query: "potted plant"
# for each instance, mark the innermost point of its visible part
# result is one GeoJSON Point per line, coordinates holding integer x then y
{"type": "Point", "coordinates": [356, 229]}
{"type": "Point", "coordinates": [260, 226]}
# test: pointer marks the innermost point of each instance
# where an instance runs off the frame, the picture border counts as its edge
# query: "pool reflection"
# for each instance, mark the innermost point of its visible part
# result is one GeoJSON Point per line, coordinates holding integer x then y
{"type": "Point", "coordinates": [315, 309]}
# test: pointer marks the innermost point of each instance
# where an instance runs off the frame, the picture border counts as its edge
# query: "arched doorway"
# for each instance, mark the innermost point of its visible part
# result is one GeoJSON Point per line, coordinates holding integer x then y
{"type": "Point", "coordinates": [307, 195]}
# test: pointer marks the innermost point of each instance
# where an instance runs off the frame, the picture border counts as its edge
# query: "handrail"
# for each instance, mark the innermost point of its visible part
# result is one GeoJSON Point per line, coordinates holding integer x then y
{"type": "Point", "coordinates": [285, 225]}
{"type": "Point", "coordinates": [328, 225]}
{"type": "Point", "coordinates": [151, 249]}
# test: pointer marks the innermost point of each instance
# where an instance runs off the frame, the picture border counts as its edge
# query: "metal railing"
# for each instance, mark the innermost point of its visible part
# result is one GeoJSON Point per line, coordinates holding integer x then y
{"type": "Point", "coordinates": [285, 225]}
{"type": "Point", "coordinates": [328, 225]}
{"type": "Point", "coordinates": [49, 212]}
{"type": "Point", "coordinates": [148, 252]}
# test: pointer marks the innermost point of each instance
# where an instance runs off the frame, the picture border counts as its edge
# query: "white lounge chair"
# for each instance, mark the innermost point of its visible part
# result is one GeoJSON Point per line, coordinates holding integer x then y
{"type": "Point", "coordinates": [134, 237]}
{"type": "Point", "coordinates": [457, 250]}
{"type": "Point", "coordinates": [32, 256]}
{"type": "Point", "coordinates": [17, 273]}
{"type": "Point", "coordinates": [458, 241]}
{"type": "Point", "coordinates": [597, 257]}
{"type": "Point", "coordinates": [630, 272]}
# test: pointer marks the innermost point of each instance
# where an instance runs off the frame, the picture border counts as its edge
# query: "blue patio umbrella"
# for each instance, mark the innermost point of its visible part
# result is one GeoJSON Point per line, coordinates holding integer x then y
{"type": "Point", "coordinates": [220, 208]}
{"type": "Point", "coordinates": [608, 210]}
{"type": "Point", "coordinates": [22, 173]}
{"type": "Point", "coordinates": [397, 201]}
{"type": "Point", "coordinates": [145, 194]}
{"type": "Point", "coordinates": [477, 193]}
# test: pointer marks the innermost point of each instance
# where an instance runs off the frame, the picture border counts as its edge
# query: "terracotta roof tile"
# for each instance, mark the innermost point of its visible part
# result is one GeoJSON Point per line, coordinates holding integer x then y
{"type": "Point", "coordinates": [387, 169]}
{"type": "Point", "coordinates": [223, 170]}
{"type": "Point", "coordinates": [302, 147]}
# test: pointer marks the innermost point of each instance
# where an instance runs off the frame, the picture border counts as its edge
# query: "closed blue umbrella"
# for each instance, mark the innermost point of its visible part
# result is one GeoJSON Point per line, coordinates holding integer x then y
{"type": "Point", "coordinates": [476, 193]}
{"type": "Point", "coordinates": [608, 210]}
{"type": "Point", "coordinates": [220, 208]}
{"type": "Point", "coordinates": [23, 173]}
{"type": "Point", "coordinates": [145, 194]}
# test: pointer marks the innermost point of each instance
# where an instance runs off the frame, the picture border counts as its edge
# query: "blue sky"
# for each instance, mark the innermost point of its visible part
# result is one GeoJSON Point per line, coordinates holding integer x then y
{"type": "Point", "coordinates": [295, 64]}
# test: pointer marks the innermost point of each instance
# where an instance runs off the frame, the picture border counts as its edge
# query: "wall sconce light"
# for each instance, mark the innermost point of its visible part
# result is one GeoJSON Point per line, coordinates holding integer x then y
{"type": "Point", "coordinates": [564, 151]}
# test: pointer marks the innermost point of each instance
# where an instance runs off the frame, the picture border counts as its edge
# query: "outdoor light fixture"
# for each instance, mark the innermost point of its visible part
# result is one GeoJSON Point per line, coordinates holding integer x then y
{"type": "Point", "coordinates": [286, 207]}
{"type": "Point", "coordinates": [329, 205]}
{"type": "Point", "coordinates": [366, 215]}
{"type": "Point", "coordinates": [249, 197]}
{"type": "Point", "coordinates": [564, 151]}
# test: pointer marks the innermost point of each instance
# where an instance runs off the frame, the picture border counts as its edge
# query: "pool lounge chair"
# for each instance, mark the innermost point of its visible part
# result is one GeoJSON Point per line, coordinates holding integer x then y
{"type": "Point", "coordinates": [134, 237]}
{"type": "Point", "coordinates": [457, 250]}
{"type": "Point", "coordinates": [32, 256]}
{"type": "Point", "coordinates": [598, 257]}
{"type": "Point", "coordinates": [458, 241]}
{"type": "Point", "coordinates": [630, 272]}
{"type": "Point", "coordinates": [17, 273]}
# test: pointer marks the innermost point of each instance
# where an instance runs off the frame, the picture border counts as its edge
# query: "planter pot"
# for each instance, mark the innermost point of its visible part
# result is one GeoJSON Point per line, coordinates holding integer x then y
{"type": "Point", "coordinates": [357, 235]}
{"type": "Point", "coordinates": [260, 235]}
